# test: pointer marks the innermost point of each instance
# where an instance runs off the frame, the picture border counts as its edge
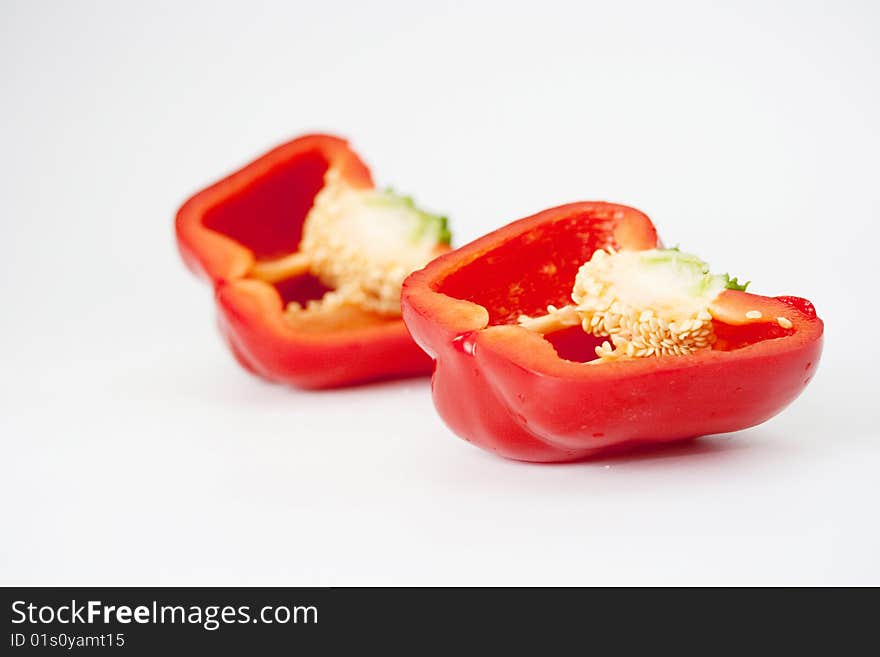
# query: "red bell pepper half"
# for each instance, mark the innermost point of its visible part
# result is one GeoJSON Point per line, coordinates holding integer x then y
{"type": "Point", "coordinates": [554, 341]}
{"type": "Point", "coordinates": [306, 258]}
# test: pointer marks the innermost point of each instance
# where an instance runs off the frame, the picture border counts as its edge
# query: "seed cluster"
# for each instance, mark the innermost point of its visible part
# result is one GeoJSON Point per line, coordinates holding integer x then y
{"type": "Point", "coordinates": [633, 333]}
{"type": "Point", "coordinates": [341, 263]}
{"type": "Point", "coordinates": [329, 301]}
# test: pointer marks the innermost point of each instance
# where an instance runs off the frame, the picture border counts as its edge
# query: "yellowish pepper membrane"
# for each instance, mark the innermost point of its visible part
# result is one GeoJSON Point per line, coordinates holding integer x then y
{"type": "Point", "coordinates": [360, 243]}
{"type": "Point", "coordinates": [656, 302]}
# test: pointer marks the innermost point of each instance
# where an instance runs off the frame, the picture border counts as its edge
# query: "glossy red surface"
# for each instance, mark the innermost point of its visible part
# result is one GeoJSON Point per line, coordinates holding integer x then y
{"type": "Point", "coordinates": [520, 395]}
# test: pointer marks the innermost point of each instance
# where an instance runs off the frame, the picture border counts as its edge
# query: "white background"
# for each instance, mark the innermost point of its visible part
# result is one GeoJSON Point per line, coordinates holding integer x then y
{"type": "Point", "coordinates": [135, 451]}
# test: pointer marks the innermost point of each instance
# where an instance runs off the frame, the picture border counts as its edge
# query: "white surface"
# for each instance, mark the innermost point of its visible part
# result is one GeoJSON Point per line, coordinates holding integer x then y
{"type": "Point", "coordinates": [136, 452]}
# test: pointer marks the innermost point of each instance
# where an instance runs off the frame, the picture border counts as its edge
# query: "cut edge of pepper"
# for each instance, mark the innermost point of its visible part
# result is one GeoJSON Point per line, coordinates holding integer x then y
{"type": "Point", "coordinates": [263, 305]}
{"type": "Point", "coordinates": [536, 353]}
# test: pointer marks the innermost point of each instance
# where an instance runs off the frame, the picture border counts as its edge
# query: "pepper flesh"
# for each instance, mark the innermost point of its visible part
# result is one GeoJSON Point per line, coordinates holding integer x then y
{"type": "Point", "coordinates": [279, 312]}
{"type": "Point", "coordinates": [525, 396]}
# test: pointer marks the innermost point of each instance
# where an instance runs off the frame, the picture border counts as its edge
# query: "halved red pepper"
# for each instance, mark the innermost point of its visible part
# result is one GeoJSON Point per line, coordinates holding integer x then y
{"type": "Point", "coordinates": [242, 233]}
{"type": "Point", "coordinates": [535, 397]}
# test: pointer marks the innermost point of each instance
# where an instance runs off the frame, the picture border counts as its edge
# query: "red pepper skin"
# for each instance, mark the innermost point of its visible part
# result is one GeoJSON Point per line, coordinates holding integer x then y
{"type": "Point", "coordinates": [257, 213]}
{"type": "Point", "coordinates": [505, 388]}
